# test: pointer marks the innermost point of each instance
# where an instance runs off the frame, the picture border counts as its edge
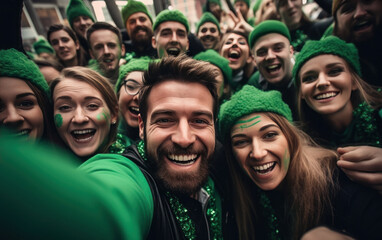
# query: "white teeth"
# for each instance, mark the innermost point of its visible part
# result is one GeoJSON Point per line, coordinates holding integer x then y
{"type": "Point", "coordinates": [263, 167]}
{"type": "Point", "coordinates": [22, 132]}
{"type": "Point", "coordinates": [182, 158]}
{"type": "Point", "coordinates": [325, 95]}
{"type": "Point", "coordinates": [82, 131]}
{"type": "Point", "coordinates": [361, 23]}
{"type": "Point", "coordinates": [234, 52]}
{"type": "Point", "coordinates": [135, 109]}
{"type": "Point", "coordinates": [273, 66]}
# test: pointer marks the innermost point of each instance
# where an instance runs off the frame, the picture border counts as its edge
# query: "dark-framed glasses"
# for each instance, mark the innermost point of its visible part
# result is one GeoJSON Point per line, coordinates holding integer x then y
{"type": "Point", "coordinates": [132, 87]}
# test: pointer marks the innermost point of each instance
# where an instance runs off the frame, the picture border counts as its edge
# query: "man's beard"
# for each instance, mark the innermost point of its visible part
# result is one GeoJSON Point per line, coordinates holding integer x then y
{"type": "Point", "coordinates": [143, 41]}
{"type": "Point", "coordinates": [184, 182]}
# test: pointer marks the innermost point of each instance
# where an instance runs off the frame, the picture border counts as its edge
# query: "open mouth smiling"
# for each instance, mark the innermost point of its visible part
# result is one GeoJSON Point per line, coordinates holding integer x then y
{"type": "Point", "coordinates": [361, 24]}
{"type": "Point", "coordinates": [325, 95]}
{"type": "Point", "coordinates": [265, 168]}
{"type": "Point", "coordinates": [173, 51]}
{"type": "Point", "coordinates": [83, 135]}
{"type": "Point", "coordinates": [183, 160]}
{"type": "Point", "coordinates": [273, 68]}
{"type": "Point", "coordinates": [134, 110]}
{"type": "Point", "coordinates": [234, 54]}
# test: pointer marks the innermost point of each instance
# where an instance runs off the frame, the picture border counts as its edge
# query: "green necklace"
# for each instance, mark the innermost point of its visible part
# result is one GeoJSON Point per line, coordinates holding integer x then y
{"type": "Point", "coordinates": [299, 39]}
{"type": "Point", "coordinates": [181, 213]}
{"type": "Point", "coordinates": [269, 215]}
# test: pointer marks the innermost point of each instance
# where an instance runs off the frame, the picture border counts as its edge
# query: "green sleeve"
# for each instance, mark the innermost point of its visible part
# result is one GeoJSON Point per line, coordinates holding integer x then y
{"type": "Point", "coordinates": [44, 196]}
{"type": "Point", "coordinates": [254, 80]}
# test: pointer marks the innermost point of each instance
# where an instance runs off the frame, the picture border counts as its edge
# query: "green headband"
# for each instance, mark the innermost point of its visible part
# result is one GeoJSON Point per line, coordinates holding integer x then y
{"type": "Point", "coordinates": [267, 27]}
{"type": "Point", "coordinates": [132, 7]}
{"type": "Point", "coordinates": [77, 8]}
{"type": "Point", "coordinates": [329, 45]}
{"type": "Point", "coordinates": [136, 64]}
{"type": "Point", "coordinates": [222, 63]}
{"type": "Point", "coordinates": [15, 64]}
{"type": "Point", "coordinates": [246, 101]}
{"type": "Point", "coordinates": [171, 15]}
{"type": "Point", "coordinates": [42, 45]}
{"type": "Point", "coordinates": [207, 17]}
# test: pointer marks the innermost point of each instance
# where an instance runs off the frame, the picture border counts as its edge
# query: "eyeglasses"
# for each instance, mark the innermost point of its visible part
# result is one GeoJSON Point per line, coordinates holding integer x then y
{"type": "Point", "coordinates": [132, 87]}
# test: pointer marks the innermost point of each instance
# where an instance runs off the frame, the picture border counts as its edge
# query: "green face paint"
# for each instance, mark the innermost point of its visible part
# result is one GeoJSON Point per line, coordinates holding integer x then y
{"type": "Point", "coordinates": [104, 115]}
{"type": "Point", "coordinates": [58, 120]}
{"type": "Point", "coordinates": [286, 160]}
{"type": "Point", "coordinates": [247, 123]}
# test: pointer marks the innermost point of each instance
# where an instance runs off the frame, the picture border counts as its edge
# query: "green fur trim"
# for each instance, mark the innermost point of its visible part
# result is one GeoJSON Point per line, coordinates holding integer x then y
{"type": "Point", "coordinates": [77, 8]}
{"type": "Point", "coordinates": [136, 64]}
{"type": "Point", "coordinates": [42, 45]}
{"type": "Point", "coordinates": [15, 64]}
{"type": "Point", "coordinates": [134, 7]}
{"type": "Point", "coordinates": [207, 17]}
{"type": "Point", "coordinates": [171, 15]}
{"type": "Point", "coordinates": [267, 27]}
{"type": "Point", "coordinates": [329, 45]}
{"type": "Point", "coordinates": [222, 63]}
{"type": "Point", "coordinates": [247, 101]}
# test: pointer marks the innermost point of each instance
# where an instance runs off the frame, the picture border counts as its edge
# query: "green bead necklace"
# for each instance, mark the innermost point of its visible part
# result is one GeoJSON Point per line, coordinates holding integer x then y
{"type": "Point", "coordinates": [366, 125]}
{"type": "Point", "coordinates": [181, 213]}
{"type": "Point", "coordinates": [269, 215]}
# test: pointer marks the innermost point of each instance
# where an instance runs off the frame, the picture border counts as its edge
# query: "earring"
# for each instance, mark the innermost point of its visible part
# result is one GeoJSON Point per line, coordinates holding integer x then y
{"type": "Point", "coordinates": [113, 122]}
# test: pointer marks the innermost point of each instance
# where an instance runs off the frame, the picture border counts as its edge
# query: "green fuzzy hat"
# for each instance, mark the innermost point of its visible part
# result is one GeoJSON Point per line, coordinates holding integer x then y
{"type": "Point", "coordinates": [134, 7]}
{"type": "Point", "coordinates": [222, 63]}
{"type": "Point", "coordinates": [15, 64]}
{"type": "Point", "coordinates": [267, 27]}
{"type": "Point", "coordinates": [245, 1]}
{"type": "Point", "coordinates": [256, 6]}
{"type": "Point", "coordinates": [77, 8]}
{"type": "Point", "coordinates": [246, 101]}
{"type": "Point", "coordinates": [215, 1]}
{"type": "Point", "coordinates": [171, 15]}
{"type": "Point", "coordinates": [136, 64]}
{"type": "Point", "coordinates": [208, 17]}
{"type": "Point", "coordinates": [42, 45]}
{"type": "Point", "coordinates": [329, 45]}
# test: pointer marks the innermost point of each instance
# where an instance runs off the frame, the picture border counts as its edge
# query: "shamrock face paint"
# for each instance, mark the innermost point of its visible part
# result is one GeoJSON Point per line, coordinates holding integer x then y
{"type": "Point", "coordinates": [261, 149]}
{"type": "Point", "coordinates": [81, 115]}
{"type": "Point", "coordinates": [58, 120]}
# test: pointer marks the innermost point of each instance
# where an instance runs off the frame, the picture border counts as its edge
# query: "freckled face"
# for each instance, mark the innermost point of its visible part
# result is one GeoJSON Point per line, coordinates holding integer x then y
{"type": "Point", "coordinates": [82, 117]}
{"type": "Point", "coordinates": [261, 149]}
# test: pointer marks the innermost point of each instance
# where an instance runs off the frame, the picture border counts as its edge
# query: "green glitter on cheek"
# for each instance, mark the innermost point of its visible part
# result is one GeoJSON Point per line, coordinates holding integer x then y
{"type": "Point", "coordinates": [286, 160]}
{"type": "Point", "coordinates": [58, 120]}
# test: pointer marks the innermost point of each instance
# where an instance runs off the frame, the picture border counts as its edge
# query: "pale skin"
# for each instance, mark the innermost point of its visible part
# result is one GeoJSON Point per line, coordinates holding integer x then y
{"type": "Point", "coordinates": [319, 233]}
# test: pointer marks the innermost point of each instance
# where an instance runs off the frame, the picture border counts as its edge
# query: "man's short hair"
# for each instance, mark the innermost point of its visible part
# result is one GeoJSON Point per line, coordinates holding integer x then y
{"type": "Point", "coordinates": [103, 26]}
{"type": "Point", "coordinates": [182, 69]}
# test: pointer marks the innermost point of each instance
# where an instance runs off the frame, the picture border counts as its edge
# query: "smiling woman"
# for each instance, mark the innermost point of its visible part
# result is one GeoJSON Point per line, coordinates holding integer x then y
{"type": "Point", "coordinates": [85, 111]}
{"type": "Point", "coordinates": [283, 183]}
{"type": "Point", "coordinates": [24, 102]}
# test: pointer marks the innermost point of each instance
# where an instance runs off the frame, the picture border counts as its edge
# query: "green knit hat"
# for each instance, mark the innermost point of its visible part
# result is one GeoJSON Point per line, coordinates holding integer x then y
{"type": "Point", "coordinates": [222, 63]}
{"type": "Point", "coordinates": [77, 8]}
{"type": "Point", "coordinates": [215, 1]}
{"type": "Point", "coordinates": [132, 7]}
{"type": "Point", "coordinates": [136, 64]}
{"type": "Point", "coordinates": [42, 46]}
{"type": "Point", "coordinates": [267, 27]}
{"type": "Point", "coordinates": [171, 15]}
{"type": "Point", "coordinates": [245, 1]}
{"type": "Point", "coordinates": [329, 45]}
{"type": "Point", "coordinates": [246, 101]}
{"type": "Point", "coordinates": [208, 17]}
{"type": "Point", "coordinates": [15, 64]}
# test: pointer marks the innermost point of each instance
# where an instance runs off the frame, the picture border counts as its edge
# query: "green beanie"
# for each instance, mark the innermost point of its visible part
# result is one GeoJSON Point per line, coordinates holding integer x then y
{"type": "Point", "coordinates": [245, 1]}
{"type": "Point", "coordinates": [42, 46]}
{"type": "Point", "coordinates": [171, 15]}
{"type": "Point", "coordinates": [215, 1]}
{"type": "Point", "coordinates": [329, 45]}
{"type": "Point", "coordinates": [256, 7]}
{"type": "Point", "coordinates": [222, 63]}
{"type": "Point", "coordinates": [132, 7]}
{"type": "Point", "coordinates": [246, 101]}
{"type": "Point", "coordinates": [77, 8]}
{"type": "Point", "coordinates": [207, 17]}
{"type": "Point", "coordinates": [136, 64]}
{"type": "Point", "coordinates": [267, 27]}
{"type": "Point", "coordinates": [15, 64]}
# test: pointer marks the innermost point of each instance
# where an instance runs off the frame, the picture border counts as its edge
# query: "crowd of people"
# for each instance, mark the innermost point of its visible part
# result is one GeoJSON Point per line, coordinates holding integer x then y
{"type": "Point", "coordinates": [262, 124]}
